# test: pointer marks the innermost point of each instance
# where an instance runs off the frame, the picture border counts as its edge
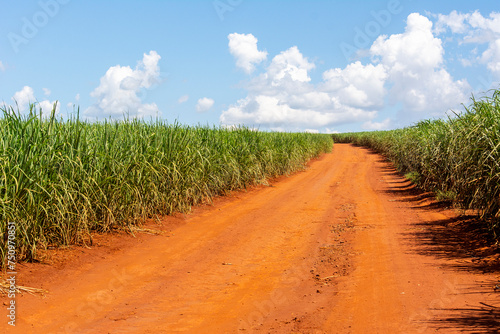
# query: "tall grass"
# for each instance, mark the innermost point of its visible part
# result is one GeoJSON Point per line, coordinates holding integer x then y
{"type": "Point", "coordinates": [60, 180]}
{"type": "Point", "coordinates": [459, 157]}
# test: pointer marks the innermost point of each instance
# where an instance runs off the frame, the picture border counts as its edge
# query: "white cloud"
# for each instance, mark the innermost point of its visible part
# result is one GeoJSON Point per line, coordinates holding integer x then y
{"type": "Point", "coordinates": [414, 64]}
{"type": "Point", "coordinates": [415, 50]}
{"type": "Point", "coordinates": [357, 85]}
{"type": "Point", "coordinates": [289, 65]}
{"type": "Point", "coordinates": [406, 71]}
{"type": "Point", "coordinates": [476, 29]}
{"type": "Point", "coordinates": [243, 47]}
{"type": "Point", "coordinates": [455, 21]}
{"type": "Point", "coordinates": [117, 93]}
{"type": "Point", "coordinates": [47, 106]}
{"type": "Point", "coordinates": [274, 112]}
{"type": "Point", "coordinates": [204, 104]}
{"type": "Point", "coordinates": [283, 97]}
{"type": "Point", "coordinates": [46, 91]}
{"type": "Point", "coordinates": [491, 24]}
{"type": "Point", "coordinates": [491, 57]}
{"type": "Point", "coordinates": [2, 67]}
{"type": "Point", "coordinates": [26, 96]}
{"type": "Point", "coordinates": [183, 98]}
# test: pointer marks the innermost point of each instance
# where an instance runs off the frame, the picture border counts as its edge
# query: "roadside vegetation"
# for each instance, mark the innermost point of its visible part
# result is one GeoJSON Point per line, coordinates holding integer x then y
{"type": "Point", "coordinates": [457, 158]}
{"type": "Point", "coordinates": [62, 179]}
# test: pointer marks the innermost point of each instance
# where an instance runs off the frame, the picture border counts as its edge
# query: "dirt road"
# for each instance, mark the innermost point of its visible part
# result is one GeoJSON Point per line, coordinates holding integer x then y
{"type": "Point", "coordinates": [346, 246]}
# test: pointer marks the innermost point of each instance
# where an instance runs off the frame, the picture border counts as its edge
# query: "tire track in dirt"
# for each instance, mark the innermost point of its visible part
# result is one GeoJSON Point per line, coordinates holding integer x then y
{"type": "Point", "coordinates": [332, 249]}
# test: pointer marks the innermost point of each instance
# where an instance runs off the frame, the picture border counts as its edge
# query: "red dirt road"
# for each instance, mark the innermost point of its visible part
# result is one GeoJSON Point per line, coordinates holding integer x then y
{"type": "Point", "coordinates": [346, 246]}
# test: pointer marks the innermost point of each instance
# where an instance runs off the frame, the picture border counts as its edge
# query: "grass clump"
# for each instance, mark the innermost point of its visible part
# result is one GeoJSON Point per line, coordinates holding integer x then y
{"type": "Point", "coordinates": [62, 179]}
{"type": "Point", "coordinates": [445, 196]}
{"type": "Point", "coordinates": [414, 177]}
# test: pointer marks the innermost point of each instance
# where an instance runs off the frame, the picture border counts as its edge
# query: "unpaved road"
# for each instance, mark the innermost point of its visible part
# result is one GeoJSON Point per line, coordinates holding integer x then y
{"type": "Point", "coordinates": [344, 247]}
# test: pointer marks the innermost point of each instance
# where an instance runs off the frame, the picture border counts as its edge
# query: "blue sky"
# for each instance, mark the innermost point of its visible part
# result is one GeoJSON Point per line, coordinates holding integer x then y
{"type": "Point", "coordinates": [320, 66]}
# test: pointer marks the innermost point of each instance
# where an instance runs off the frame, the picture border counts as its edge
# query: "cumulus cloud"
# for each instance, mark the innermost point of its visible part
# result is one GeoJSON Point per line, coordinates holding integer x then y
{"type": "Point", "coordinates": [484, 26]}
{"type": "Point", "coordinates": [289, 65]}
{"type": "Point", "coordinates": [476, 29]}
{"type": "Point", "coordinates": [204, 104]}
{"type": "Point", "coordinates": [414, 64]}
{"type": "Point", "coordinates": [243, 47]}
{"type": "Point", "coordinates": [455, 21]}
{"type": "Point", "coordinates": [357, 85]}
{"type": "Point", "coordinates": [47, 106]}
{"type": "Point", "coordinates": [272, 112]}
{"type": "Point", "coordinates": [412, 51]}
{"type": "Point", "coordinates": [26, 96]}
{"type": "Point", "coordinates": [283, 97]}
{"type": "Point", "coordinates": [491, 57]}
{"type": "Point", "coordinates": [117, 93]}
{"type": "Point", "coordinates": [405, 71]}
